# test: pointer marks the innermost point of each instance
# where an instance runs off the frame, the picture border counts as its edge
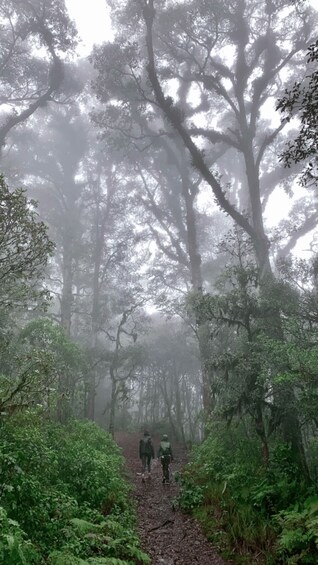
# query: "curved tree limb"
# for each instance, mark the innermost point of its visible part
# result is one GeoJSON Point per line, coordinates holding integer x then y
{"type": "Point", "coordinates": [170, 113]}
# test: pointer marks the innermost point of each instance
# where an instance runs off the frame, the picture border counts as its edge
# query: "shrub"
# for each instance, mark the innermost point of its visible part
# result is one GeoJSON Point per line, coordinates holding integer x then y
{"type": "Point", "coordinates": [246, 508]}
{"type": "Point", "coordinates": [64, 487]}
{"type": "Point", "coordinates": [15, 547]}
{"type": "Point", "coordinates": [298, 540]}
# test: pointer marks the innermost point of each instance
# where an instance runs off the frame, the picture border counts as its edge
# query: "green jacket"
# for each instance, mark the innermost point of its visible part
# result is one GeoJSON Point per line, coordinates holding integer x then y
{"type": "Point", "coordinates": [165, 449]}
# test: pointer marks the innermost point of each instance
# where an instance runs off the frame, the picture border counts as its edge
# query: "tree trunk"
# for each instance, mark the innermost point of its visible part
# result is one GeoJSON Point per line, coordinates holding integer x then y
{"type": "Point", "coordinates": [99, 227]}
{"type": "Point", "coordinates": [187, 403]}
{"type": "Point", "coordinates": [113, 400]}
{"type": "Point", "coordinates": [189, 193]}
{"type": "Point", "coordinates": [140, 417]}
{"type": "Point", "coordinates": [67, 275]}
{"type": "Point", "coordinates": [90, 397]}
{"type": "Point", "coordinates": [260, 430]}
{"type": "Point", "coordinates": [179, 411]}
{"type": "Point", "coordinates": [163, 386]}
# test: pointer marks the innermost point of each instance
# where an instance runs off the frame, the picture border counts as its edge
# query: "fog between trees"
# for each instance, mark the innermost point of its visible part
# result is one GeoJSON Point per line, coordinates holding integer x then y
{"type": "Point", "coordinates": [169, 302]}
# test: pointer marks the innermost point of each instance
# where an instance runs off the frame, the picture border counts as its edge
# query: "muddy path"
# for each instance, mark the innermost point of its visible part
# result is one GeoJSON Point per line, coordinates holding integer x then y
{"type": "Point", "coordinates": [168, 536]}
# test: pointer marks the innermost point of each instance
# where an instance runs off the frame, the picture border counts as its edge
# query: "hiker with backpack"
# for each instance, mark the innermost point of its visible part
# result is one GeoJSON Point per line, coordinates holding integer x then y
{"type": "Point", "coordinates": [146, 453]}
{"type": "Point", "coordinates": [165, 455]}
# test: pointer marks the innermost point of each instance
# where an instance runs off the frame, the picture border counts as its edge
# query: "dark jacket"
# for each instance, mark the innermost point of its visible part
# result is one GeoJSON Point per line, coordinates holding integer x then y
{"type": "Point", "coordinates": [146, 447]}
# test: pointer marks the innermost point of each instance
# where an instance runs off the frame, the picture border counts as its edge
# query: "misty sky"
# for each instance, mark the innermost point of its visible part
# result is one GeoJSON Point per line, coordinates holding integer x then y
{"type": "Point", "coordinates": [92, 21]}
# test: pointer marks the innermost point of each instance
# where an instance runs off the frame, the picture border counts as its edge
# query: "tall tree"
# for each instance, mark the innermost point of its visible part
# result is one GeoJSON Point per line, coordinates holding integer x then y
{"type": "Point", "coordinates": [212, 71]}
{"type": "Point", "coordinates": [109, 246]}
{"type": "Point", "coordinates": [301, 101]}
{"type": "Point", "coordinates": [24, 249]}
{"type": "Point", "coordinates": [187, 73]}
{"type": "Point", "coordinates": [53, 176]}
{"type": "Point", "coordinates": [28, 79]}
{"type": "Point", "coordinates": [24, 252]}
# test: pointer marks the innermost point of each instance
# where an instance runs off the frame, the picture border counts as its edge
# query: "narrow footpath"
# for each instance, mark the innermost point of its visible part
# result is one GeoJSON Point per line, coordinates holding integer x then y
{"type": "Point", "coordinates": [168, 536]}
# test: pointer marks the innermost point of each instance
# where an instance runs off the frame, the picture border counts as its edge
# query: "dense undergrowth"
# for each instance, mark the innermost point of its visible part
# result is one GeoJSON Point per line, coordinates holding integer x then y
{"type": "Point", "coordinates": [251, 513]}
{"type": "Point", "coordinates": [64, 499]}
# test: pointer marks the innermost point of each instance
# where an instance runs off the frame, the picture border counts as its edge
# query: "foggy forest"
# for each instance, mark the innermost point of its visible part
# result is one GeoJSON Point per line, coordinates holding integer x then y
{"type": "Point", "coordinates": [158, 282]}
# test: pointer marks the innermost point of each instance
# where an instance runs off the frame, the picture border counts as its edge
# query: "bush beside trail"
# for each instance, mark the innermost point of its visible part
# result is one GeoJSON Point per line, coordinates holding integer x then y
{"type": "Point", "coordinates": [269, 515]}
{"type": "Point", "coordinates": [64, 499]}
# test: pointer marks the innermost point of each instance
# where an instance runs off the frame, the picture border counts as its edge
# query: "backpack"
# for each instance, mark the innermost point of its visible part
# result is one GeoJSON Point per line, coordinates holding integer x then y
{"type": "Point", "coordinates": [165, 447]}
{"type": "Point", "coordinates": [146, 445]}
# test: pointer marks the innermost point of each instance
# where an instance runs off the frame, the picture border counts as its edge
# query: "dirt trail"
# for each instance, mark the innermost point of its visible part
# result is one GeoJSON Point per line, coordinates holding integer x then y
{"type": "Point", "coordinates": [168, 536]}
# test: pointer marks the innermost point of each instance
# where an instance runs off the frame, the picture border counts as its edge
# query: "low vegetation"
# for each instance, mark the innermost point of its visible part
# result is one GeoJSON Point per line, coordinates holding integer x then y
{"type": "Point", "coordinates": [64, 499]}
{"type": "Point", "coordinates": [253, 481]}
{"type": "Point", "coordinates": [248, 511]}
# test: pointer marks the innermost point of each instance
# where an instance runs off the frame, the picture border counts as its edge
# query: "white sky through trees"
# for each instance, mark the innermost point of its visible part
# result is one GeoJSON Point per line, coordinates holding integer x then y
{"type": "Point", "coordinates": [92, 22]}
{"type": "Point", "coordinates": [92, 19]}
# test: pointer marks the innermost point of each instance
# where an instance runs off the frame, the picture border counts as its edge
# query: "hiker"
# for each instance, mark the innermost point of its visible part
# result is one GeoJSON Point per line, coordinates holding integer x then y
{"type": "Point", "coordinates": [146, 453]}
{"type": "Point", "coordinates": [165, 455]}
